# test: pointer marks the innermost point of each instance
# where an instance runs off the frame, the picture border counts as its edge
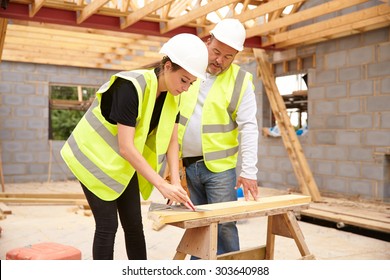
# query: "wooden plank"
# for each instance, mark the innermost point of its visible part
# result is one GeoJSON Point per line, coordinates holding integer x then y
{"type": "Point", "coordinates": [333, 28]}
{"type": "Point", "coordinates": [339, 32]}
{"type": "Point", "coordinates": [348, 220]}
{"type": "Point", "coordinates": [43, 195]}
{"type": "Point", "coordinates": [314, 12]}
{"type": "Point", "coordinates": [44, 201]}
{"type": "Point", "coordinates": [240, 216]}
{"type": "Point", "coordinates": [142, 12]}
{"type": "Point", "coordinates": [157, 226]}
{"type": "Point", "coordinates": [259, 11]}
{"type": "Point", "coordinates": [270, 245]}
{"type": "Point", "coordinates": [280, 227]}
{"type": "Point", "coordinates": [5, 209]}
{"type": "Point", "coordinates": [194, 14]}
{"type": "Point", "coordinates": [90, 9]}
{"type": "Point", "coordinates": [379, 215]}
{"type": "Point", "coordinates": [268, 18]}
{"type": "Point", "coordinates": [286, 55]}
{"type": "Point", "coordinates": [238, 208]}
{"type": "Point", "coordinates": [176, 8]}
{"type": "Point", "coordinates": [79, 35]}
{"type": "Point", "coordinates": [256, 253]}
{"type": "Point", "coordinates": [77, 48]}
{"type": "Point", "coordinates": [317, 28]}
{"type": "Point", "coordinates": [35, 7]}
{"type": "Point", "coordinates": [308, 257]}
{"type": "Point", "coordinates": [296, 233]}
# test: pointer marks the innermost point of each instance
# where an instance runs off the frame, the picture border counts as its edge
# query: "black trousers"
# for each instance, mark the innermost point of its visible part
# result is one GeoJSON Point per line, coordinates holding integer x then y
{"type": "Point", "coordinates": [105, 213]}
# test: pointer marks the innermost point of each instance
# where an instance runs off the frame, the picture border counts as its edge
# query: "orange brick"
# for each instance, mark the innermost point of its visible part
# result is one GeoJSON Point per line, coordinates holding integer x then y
{"type": "Point", "coordinates": [44, 251]}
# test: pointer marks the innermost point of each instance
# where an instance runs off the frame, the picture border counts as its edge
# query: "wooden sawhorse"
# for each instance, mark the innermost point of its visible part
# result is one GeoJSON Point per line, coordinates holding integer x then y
{"type": "Point", "coordinates": [200, 236]}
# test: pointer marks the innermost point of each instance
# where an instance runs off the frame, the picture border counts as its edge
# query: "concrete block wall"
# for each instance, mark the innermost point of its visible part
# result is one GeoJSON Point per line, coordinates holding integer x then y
{"type": "Point", "coordinates": [27, 153]}
{"type": "Point", "coordinates": [348, 144]}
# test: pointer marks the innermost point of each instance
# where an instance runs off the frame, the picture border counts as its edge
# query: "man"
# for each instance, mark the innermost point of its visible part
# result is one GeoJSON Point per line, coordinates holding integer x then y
{"type": "Point", "coordinates": [212, 115]}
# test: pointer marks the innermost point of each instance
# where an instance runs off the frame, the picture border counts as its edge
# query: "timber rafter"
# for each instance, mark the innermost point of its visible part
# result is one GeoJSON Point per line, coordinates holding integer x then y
{"type": "Point", "coordinates": [127, 34]}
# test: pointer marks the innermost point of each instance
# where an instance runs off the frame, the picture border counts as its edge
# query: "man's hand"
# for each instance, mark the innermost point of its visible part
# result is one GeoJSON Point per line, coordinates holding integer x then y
{"type": "Point", "coordinates": [249, 185]}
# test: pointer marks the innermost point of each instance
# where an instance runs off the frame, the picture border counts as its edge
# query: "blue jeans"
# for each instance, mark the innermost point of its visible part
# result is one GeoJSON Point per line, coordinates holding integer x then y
{"type": "Point", "coordinates": [207, 187]}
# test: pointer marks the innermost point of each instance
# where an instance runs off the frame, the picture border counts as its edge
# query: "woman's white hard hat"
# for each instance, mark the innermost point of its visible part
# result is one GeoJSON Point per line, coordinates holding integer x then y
{"type": "Point", "coordinates": [231, 32]}
{"type": "Point", "coordinates": [189, 52]}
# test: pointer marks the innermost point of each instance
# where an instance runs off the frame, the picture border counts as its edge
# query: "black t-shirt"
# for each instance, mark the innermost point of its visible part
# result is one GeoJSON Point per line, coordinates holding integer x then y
{"type": "Point", "coordinates": [120, 104]}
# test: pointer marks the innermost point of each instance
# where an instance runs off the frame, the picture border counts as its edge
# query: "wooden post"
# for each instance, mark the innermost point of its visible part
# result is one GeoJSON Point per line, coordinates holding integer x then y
{"type": "Point", "coordinates": [285, 225]}
{"type": "Point", "coordinates": [1, 172]}
{"type": "Point", "coordinates": [3, 30]}
{"type": "Point", "coordinates": [200, 242]}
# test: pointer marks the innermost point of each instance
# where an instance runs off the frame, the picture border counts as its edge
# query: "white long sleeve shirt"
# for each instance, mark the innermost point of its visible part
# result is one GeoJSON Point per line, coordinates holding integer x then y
{"type": "Point", "coordinates": [247, 127]}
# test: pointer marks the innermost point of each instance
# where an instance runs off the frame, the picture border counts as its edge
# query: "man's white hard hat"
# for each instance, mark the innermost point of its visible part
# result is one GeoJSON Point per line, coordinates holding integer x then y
{"type": "Point", "coordinates": [231, 32]}
{"type": "Point", "coordinates": [189, 52]}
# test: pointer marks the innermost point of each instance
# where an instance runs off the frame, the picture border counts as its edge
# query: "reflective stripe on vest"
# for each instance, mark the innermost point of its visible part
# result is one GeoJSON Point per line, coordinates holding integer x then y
{"type": "Point", "coordinates": [85, 161]}
{"type": "Point", "coordinates": [110, 185]}
{"type": "Point", "coordinates": [241, 78]}
{"type": "Point", "coordinates": [111, 140]}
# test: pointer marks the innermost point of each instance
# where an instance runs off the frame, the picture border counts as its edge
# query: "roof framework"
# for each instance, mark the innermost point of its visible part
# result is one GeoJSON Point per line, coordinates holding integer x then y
{"type": "Point", "coordinates": [127, 34]}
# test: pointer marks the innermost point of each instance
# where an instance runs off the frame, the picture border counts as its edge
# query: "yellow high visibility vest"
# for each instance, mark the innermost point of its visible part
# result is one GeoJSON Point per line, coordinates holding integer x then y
{"type": "Point", "coordinates": [92, 151]}
{"type": "Point", "coordinates": [220, 142]}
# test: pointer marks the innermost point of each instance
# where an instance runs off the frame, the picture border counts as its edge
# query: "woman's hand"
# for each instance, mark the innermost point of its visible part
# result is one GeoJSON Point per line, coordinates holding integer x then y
{"type": "Point", "coordinates": [175, 193]}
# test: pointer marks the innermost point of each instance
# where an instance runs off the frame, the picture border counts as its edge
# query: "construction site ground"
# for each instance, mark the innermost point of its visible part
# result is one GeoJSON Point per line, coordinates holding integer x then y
{"type": "Point", "coordinates": [29, 220]}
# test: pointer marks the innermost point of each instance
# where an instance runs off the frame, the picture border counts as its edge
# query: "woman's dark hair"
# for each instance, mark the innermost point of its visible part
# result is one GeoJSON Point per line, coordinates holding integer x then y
{"type": "Point", "coordinates": [160, 65]}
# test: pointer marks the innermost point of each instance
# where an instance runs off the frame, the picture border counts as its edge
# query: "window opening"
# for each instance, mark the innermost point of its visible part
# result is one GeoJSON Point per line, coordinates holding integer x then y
{"type": "Point", "coordinates": [67, 105]}
{"type": "Point", "coordinates": [293, 89]}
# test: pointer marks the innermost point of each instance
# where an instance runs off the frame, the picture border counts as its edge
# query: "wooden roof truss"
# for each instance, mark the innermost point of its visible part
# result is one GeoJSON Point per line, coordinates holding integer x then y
{"type": "Point", "coordinates": [127, 34]}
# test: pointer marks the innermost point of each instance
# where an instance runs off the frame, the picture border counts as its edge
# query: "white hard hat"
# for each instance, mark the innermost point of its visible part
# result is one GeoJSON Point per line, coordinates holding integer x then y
{"type": "Point", "coordinates": [189, 52]}
{"type": "Point", "coordinates": [231, 32]}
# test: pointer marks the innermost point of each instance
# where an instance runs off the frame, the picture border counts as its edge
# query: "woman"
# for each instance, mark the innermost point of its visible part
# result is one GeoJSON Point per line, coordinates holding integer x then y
{"type": "Point", "coordinates": [119, 146]}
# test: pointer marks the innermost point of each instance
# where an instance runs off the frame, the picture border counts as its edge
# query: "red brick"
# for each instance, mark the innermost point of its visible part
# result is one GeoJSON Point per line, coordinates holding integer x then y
{"type": "Point", "coordinates": [44, 251]}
